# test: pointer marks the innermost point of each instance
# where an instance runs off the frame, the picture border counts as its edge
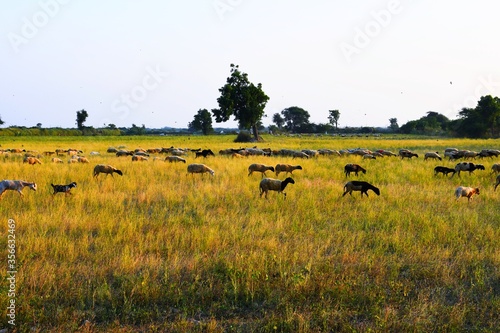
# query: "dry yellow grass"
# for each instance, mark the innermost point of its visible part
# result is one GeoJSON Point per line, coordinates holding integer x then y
{"type": "Point", "coordinates": [160, 250]}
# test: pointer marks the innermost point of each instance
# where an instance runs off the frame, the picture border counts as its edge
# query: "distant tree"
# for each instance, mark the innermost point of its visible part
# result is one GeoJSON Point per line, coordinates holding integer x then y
{"type": "Point", "coordinates": [202, 122]}
{"type": "Point", "coordinates": [278, 120]}
{"type": "Point", "coordinates": [393, 124]}
{"type": "Point", "coordinates": [241, 99]}
{"type": "Point", "coordinates": [81, 117]}
{"type": "Point", "coordinates": [483, 120]}
{"type": "Point", "coordinates": [39, 125]}
{"type": "Point", "coordinates": [111, 126]}
{"type": "Point", "coordinates": [1, 121]}
{"type": "Point", "coordinates": [295, 118]}
{"type": "Point", "coordinates": [333, 118]}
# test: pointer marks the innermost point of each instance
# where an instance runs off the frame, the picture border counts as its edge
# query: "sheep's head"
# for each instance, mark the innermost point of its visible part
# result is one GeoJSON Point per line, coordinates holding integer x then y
{"type": "Point", "coordinates": [32, 186]}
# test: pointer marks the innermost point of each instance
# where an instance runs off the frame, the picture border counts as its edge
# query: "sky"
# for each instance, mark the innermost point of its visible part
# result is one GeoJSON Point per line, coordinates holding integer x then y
{"type": "Point", "coordinates": [156, 63]}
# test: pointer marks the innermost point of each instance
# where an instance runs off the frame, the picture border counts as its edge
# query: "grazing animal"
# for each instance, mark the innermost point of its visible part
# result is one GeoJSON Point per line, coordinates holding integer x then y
{"type": "Point", "coordinates": [498, 182]}
{"type": "Point", "coordinates": [82, 159]}
{"type": "Point", "coordinates": [31, 160]}
{"type": "Point", "coordinates": [120, 153]}
{"type": "Point", "coordinates": [175, 158]}
{"type": "Point", "coordinates": [15, 185]}
{"type": "Point", "coordinates": [360, 186]}
{"type": "Point", "coordinates": [406, 153]}
{"type": "Point", "coordinates": [259, 168]}
{"type": "Point", "coordinates": [57, 160]}
{"type": "Point", "coordinates": [270, 184]}
{"type": "Point", "coordinates": [495, 168]}
{"type": "Point", "coordinates": [433, 155]}
{"type": "Point", "coordinates": [444, 170]}
{"type": "Point", "coordinates": [463, 191]}
{"type": "Point", "coordinates": [199, 168]}
{"type": "Point", "coordinates": [468, 166]}
{"type": "Point", "coordinates": [107, 169]}
{"type": "Point", "coordinates": [287, 168]}
{"type": "Point", "coordinates": [299, 154]}
{"type": "Point", "coordinates": [204, 153]}
{"type": "Point", "coordinates": [348, 168]}
{"type": "Point", "coordinates": [63, 188]}
{"type": "Point", "coordinates": [136, 157]}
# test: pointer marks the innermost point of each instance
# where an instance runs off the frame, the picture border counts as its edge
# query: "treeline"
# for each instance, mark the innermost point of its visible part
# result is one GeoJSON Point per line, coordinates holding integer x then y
{"type": "Point", "coordinates": [483, 121]}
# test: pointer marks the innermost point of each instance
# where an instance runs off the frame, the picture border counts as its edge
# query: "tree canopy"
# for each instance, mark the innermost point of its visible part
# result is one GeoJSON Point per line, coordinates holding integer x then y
{"type": "Point", "coordinates": [296, 119]}
{"type": "Point", "coordinates": [241, 99]}
{"type": "Point", "coordinates": [482, 121]}
{"type": "Point", "coordinates": [81, 117]}
{"type": "Point", "coordinates": [202, 122]}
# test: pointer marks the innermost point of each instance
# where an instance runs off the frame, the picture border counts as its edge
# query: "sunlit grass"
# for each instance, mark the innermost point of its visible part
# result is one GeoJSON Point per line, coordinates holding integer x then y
{"type": "Point", "coordinates": [159, 249]}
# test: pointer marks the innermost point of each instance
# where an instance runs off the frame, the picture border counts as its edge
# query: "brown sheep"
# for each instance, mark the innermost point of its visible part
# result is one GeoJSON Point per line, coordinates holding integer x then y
{"type": "Point", "coordinates": [31, 160]}
{"type": "Point", "coordinates": [107, 169]}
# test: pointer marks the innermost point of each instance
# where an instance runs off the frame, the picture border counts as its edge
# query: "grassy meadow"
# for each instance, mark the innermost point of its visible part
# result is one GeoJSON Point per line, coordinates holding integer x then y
{"type": "Point", "coordinates": [157, 250]}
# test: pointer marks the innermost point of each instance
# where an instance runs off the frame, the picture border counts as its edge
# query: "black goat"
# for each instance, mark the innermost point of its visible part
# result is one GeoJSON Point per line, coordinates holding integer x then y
{"type": "Point", "coordinates": [353, 168]}
{"type": "Point", "coordinates": [204, 153]}
{"type": "Point", "coordinates": [360, 186]}
{"type": "Point", "coordinates": [444, 170]}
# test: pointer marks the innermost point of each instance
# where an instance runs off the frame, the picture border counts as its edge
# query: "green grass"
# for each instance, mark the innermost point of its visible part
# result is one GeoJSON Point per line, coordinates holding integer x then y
{"type": "Point", "coordinates": [160, 250]}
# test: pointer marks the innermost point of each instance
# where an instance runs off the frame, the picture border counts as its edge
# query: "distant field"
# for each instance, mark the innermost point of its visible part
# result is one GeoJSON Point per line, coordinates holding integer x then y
{"type": "Point", "coordinates": [157, 250]}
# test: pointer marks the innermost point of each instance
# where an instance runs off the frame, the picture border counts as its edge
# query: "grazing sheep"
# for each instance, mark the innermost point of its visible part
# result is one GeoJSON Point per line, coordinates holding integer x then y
{"type": "Point", "coordinates": [287, 168]}
{"type": "Point", "coordinates": [175, 158]}
{"type": "Point", "coordinates": [360, 186]}
{"type": "Point", "coordinates": [112, 150]}
{"type": "Point", "coordinates": [468, 166]}
{"type": "Point", "coordinates": [63, 188]}
{"type": "Point", "coordinates": [140, 152]}
{"type": "Point", "coordinates": [236, 155]}
{"type": "Point", "coordinates": [489, 153]}
{"type": "Point", "coordinates": [82, 159]}
{"type": "Point", "coordinates": [407, 153]}
{"type": "Point", "coordinates": [107, 169]}
{"type": "Point", "coordinates": [498, 182]}
{"type": "Point", "coordinates": [15, 185]}
{"type": "Point", "coordinates": [56, 160]}
{"type": "Point", "coordinates": [136, 157]}
{"type": "Point", "coordinates": [444, 170]}
{"type": "Point", "coordinates": [369, 157]}
{"type": "Point", "coordinates": [348, 168]}
{"type": "Point", "coordinates": [94, 153]}
{"type": "Point", "coordinates": [463, 191]}
{"type": "Point", "coordinates": [270, 184]}
{"type": "Point", "coordinates": [121, 153]}
{"type": "Point", "coordinates": [204, 153]}
{"type": "Point", "coordinates": [299, 154]}
{"type": "Point", "coordinates": [31, 160]}
{"type": "Point", "coordinates": [386, 152]}
{"type": "Point", "coordinates": [433, 155]}
{"type": "Point", "coordinates": [495, 168]}
{"type": "Point", "coordinates": [199, 168]}
{"type": "Point", "coordinates": [259, 168]}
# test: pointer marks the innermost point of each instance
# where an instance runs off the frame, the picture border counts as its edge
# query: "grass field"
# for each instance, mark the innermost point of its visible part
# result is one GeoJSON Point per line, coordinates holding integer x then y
{"type": "Point", "coordinates": [157, 250]}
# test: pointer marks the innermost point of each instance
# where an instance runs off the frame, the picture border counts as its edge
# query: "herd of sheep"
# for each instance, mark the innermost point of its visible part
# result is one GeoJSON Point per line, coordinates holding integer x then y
{"type": "Point", "coordinates": [176, 155]}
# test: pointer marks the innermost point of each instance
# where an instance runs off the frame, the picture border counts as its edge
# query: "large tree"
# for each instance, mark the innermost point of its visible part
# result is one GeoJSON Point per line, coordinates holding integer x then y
{"type": "Point", "coordinates": [481, 121]}
{"type": "Point", "coordinates": [296, 119]}
{"type": "Point", "coordinates": [278, 120]}
{"type": "Point", "coordinates": [333, 118]}
{"type": "Point", "coordinates": [241, 99]}
{"type": "Point", "coordinates": [81, 117]}
{"type": "Point", "coordinates": [202, 122]}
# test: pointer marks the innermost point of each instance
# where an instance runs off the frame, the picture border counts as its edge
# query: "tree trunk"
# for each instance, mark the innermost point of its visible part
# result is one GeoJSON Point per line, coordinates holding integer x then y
{"type": "Point", "coordinates": [255, 132]}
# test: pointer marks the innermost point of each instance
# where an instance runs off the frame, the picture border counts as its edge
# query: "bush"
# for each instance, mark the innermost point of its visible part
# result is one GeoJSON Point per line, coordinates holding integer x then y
{"type": "Point", "coordinates": [244, 136]}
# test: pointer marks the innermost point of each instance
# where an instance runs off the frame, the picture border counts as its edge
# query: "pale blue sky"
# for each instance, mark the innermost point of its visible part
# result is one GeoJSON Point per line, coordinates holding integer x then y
{"type": "Point", "coordinates": [158, 62]}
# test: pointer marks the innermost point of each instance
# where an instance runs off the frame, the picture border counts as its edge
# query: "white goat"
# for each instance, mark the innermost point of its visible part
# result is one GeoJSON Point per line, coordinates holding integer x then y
{"type": "Point", "coordinates": [15, 185]}
{"type": "Point", "coordinates": [463, 191]}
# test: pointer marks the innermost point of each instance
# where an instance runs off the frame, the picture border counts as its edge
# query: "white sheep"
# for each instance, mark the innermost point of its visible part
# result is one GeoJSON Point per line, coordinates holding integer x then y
{"type": "Point", "coordinates": [199, 168]}
{"type": "Point", "coordinates": [262, 168]}
{"type": "Point", "coordinates": [270, 184]}
{"type": "Point", "coordinates": [56, 160]}
{"type": "Point", "coordinates": [463, 191]}
{"type": "Point", "coordinates": [287, 168]}
{"type": "Point", "coordinates": [15, 185]}
{"type": "Point", "coordinates": [433, 155]}
{"type": "Point", "coordinates": [175, 158]}
{"type": "Point", "coordinates": [107, 169]}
